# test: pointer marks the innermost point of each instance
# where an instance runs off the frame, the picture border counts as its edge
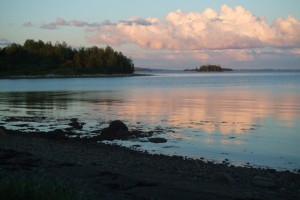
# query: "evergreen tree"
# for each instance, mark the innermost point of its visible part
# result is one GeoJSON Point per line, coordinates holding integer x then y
{"type": "Point", "coordinates": [41, 58]}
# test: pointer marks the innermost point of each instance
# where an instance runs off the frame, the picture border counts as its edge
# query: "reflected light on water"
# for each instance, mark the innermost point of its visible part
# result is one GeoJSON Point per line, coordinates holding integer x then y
{"type": "Point", "coordinates": [225, 112]}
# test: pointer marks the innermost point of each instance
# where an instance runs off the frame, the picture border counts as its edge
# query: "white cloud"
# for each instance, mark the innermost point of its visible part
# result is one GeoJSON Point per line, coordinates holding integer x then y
{"type": "Point", "coordinates": [231, 28]}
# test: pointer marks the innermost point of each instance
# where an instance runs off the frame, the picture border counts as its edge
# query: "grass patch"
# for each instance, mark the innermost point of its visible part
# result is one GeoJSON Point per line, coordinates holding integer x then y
{"type": "Point", "coordinates": [12, 188]}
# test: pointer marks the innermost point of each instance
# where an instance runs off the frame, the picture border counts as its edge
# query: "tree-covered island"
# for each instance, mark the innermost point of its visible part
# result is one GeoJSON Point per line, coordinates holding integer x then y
{"type": "Point", "coordinates": [209, 68]}
{"type": "Point", "coordinates": [39, 58]}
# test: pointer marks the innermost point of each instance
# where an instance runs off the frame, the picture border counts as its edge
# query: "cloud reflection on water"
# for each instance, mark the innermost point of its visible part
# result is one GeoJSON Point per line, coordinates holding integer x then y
{"type": "Point", "coordinates": [223, 111]}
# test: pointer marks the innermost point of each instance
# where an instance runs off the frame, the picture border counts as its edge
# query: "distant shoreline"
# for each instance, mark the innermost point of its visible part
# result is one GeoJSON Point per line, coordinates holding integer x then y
{"type": "Point", "coordinates": [54, 76]}
{"type": "Point", "coordinates": [140, 73]}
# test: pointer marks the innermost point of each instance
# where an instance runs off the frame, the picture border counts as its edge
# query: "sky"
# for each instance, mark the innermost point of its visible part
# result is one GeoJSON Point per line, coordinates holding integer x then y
{"type": "Point", "coordinates": [166, 34]}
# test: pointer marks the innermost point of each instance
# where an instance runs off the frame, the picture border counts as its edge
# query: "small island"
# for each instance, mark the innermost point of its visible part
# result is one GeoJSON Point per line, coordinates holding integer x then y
{"type": "Point", "coordinates": [209, 68]}
{"type": "Point", "coordinates": [37, 58]}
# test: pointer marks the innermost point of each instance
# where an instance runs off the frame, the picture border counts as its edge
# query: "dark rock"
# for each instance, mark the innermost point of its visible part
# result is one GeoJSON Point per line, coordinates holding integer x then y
{"type": "Point", "coordinates": [107, 134]}
{"type": "Point", "coordinates": [119, 130]}
{"type": "Point", "coordinates": [57, 131]}
{"type": "Point", "coordinates": [141, 134]}
{"type": "Point", "coordinates": [157, 140]}
{"type": "Point", "coordinates": [96, 131]}
{"type": "Point", "coordinates": [118, 126]}
{"type": "Point", "coordinates": [116, 130]}
{"type": "Point", "coordinates": [73, 119]}
{"type": "Point", "coordinates": [69, 129]}
{"type": "Point", "coordinates": [22, 125]}
{"type": "Point", "coordinates": [75, 124]}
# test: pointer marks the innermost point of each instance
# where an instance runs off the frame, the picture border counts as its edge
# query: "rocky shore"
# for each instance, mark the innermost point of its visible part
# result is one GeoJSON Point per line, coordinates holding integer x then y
{"type": "Point", "coordinates": [104, 171]}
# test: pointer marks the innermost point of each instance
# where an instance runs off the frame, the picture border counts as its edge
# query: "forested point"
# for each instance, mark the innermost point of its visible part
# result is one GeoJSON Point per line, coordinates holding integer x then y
{"type": "Point", "coordinates": [209, 68]}
{"type": "Point", "coordinates": [39, 58]}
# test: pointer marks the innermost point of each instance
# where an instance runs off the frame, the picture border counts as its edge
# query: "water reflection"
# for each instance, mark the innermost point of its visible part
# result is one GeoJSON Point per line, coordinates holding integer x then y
{"type": "Point", "coordinates": [224, 112]}
{"type": "Point", "coordinates": [237, 122]}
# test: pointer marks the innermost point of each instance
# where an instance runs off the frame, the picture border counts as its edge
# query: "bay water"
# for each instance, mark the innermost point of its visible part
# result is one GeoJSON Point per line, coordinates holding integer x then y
{"type": "Point", "coordinates": [240, 117]}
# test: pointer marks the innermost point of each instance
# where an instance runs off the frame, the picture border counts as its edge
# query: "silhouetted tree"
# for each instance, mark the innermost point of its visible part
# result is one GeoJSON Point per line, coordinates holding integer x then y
{"type": "Point", "coordinates": [39, 57]}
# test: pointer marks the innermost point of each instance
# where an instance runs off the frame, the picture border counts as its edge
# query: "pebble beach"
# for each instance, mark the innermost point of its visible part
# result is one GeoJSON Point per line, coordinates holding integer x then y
{"type": "Point", "coordinates": [102, 171]}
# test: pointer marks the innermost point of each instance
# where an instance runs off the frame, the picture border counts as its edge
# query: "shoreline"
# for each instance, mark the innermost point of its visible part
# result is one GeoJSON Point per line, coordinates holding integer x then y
{"type": "Point", "coordinates": [55, 76]}
{"type": "Point", "coordinates": [137, 139]}
{"type": "Point", "coordinates": [114, 172]}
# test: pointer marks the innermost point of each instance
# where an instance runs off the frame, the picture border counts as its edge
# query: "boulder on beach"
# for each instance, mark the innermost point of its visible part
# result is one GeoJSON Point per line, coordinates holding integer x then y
{"type": "Point", "coordinates": [116, 130]}
{"type": "Point", "coordinates": [118, 126]}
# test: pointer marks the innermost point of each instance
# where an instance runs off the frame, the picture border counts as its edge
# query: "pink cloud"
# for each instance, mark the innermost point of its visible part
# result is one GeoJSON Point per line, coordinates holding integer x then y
{"type": "Point", "coordinates": [231, 28]}
{"type": "Point", "coordinates": [78, 23]}
{"type": "Point", "coordinates": [53, 25]}
{"type": "Point", "coordinates": [61, 22]}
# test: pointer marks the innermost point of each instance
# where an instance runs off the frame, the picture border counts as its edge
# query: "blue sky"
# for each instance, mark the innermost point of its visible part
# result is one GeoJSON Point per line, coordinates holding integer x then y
{"type": "Point", "coordinates": [165, 34]}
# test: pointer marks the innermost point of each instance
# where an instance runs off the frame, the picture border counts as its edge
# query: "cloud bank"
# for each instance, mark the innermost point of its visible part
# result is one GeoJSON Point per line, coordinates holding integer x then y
{"type": "Point", "coordinates": [231, 28]}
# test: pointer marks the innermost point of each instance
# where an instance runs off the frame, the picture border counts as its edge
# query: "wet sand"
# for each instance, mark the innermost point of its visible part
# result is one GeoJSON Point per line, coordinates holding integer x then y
{"type": "Point", "coordinates": [104, 171]}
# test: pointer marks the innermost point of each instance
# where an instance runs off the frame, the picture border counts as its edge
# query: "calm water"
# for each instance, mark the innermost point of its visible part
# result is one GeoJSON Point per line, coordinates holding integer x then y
{"type": "Point", "coordinates": [245, 117]}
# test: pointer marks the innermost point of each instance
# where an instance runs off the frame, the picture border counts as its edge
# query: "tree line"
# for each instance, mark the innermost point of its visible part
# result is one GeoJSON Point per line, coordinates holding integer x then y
{"type": "Point", "coordinates": [39, 58]}
{"type": "Point", "coordinates": [209, 68]}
